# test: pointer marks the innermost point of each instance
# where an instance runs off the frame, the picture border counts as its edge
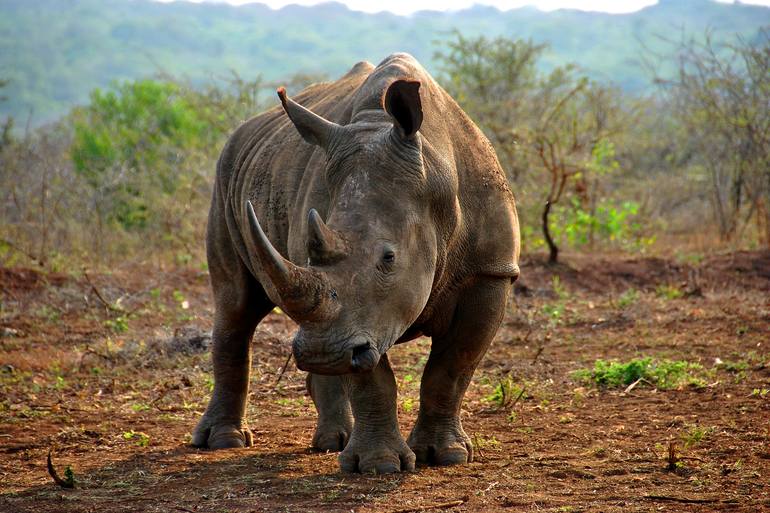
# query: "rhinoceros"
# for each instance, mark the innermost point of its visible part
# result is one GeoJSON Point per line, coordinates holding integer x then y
{"type": "Point", "coordinates": [372, 211]}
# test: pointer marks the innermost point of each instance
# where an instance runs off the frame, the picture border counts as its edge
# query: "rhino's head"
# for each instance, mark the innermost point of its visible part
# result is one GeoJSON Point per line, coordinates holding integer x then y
{"type": "Point", "coordinates": [371, 263]}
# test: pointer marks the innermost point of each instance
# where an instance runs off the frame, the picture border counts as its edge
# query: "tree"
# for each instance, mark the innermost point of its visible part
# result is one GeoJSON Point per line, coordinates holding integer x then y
{"type": "Point", "coordinates": [721, 94]}
{"type": "Point", "coordinates": [539, 123]}
{"type": "Point", "coordinates": [6, 129]}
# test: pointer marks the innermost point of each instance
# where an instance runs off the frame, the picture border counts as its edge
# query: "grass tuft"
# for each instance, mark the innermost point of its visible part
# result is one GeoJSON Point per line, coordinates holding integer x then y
{"type": "Point", "coordinates": [664, 374]}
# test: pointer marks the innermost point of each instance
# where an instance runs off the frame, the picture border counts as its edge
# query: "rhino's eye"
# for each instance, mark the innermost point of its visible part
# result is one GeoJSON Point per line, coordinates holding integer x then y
{"type": "Point", "coordinates": [389, 256]}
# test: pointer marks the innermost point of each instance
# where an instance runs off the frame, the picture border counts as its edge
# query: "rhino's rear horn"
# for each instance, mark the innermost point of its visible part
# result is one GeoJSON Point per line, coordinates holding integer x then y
{"type": "Point", "coordinates": [312, 127]}
{"type": "Point", "coordinates": [324, 245]}
{"type": "Point", "coordinates": [301, 290]}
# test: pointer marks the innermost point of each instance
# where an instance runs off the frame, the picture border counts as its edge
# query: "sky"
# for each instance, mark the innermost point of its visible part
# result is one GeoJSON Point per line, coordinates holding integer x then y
{"type": "Point", "coordinates": [410, 6]}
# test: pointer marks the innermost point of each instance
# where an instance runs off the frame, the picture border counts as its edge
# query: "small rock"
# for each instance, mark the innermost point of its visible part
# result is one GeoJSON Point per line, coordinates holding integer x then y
{"type": "Point", "coordinates": [9, 332]}
{"type": "Point", "coordinates": [189, 340]}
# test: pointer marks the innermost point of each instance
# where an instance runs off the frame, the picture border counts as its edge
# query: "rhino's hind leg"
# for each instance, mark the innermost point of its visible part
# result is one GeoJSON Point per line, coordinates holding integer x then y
{"type": "Point", "coordinates": [335, 419]}
{"type": "Point", "coordinates": [376, 445]}
{"type": "Point", "coordinates": [438, 437]}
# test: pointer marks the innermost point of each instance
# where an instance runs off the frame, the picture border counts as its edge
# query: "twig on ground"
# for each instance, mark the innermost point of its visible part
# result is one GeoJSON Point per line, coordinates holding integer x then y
{"type": "Point", "coordinates": [88, 350]}
{"type": "Point", "coordinates": [672, 457]}
{"type": "Point", "coordinates": [161, 395]}
{"type": "Point", "coordinates": [99, 296]}
{"type": "Point", "coordinates": [521, 394]}
{"type": "Point", "coordinates": [541, 348]}
{"type": "Point", "coordinates": [69, 482]}
{"type": "Point", "coordinates": [633, 385]}
{"type": "Point", "coordinates": [436, 505]}
{"type": "Point", "coordinates": [686, 500]}
{"type": "Point", "coordinates": [19, 249]}
{"type": "Point", "coordinates": [283, 370]}
{"type": "Point", "coordinates": [537, 354]}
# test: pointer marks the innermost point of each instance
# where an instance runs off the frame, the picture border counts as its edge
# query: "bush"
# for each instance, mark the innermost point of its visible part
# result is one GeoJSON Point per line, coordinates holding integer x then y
{"type": "Point", "coordinates": [663, 374]}
{"type": "Point", "coordinates": [129, 174]}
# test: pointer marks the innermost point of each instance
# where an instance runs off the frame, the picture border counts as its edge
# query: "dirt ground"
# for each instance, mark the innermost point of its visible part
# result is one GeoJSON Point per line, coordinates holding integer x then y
{"type": "Point", "coordinates": [110, 372]}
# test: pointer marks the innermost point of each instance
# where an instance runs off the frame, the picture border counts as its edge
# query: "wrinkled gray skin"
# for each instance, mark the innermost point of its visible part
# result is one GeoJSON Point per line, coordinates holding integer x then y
{"type": "Point", "coordinates": [380, 213]}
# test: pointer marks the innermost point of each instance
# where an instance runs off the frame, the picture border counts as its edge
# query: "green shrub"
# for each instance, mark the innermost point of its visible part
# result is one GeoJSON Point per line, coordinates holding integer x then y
{"type": "Point", "coordinates": [628, 298]}
{"type": "Point", "coordinates": [506, 392]}
{"type": "Point", "coordinates": [665, 374]}
{"type": "Point", "coordinates": [666, 291]}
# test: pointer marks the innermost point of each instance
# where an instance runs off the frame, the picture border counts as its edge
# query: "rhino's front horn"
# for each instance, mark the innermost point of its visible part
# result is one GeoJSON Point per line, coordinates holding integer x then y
{"type": "Point", "coordinates": [324, 245]}
{"type": "Point", "coordinates": [301, 290]}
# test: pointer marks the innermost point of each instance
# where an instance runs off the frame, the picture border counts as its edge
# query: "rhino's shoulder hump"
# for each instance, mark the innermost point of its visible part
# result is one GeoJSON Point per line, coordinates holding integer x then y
{"type": "Point", "coordinates": [359, 68]}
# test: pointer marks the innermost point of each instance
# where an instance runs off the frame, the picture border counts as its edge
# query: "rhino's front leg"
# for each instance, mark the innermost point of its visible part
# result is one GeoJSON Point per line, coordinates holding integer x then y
{"type": "Point", "coordinates": [240, 303]}
{"type": "Point", "coordinates": [222, 426]}
{"type": "Point", "coordinates": [335, 420]}
{"type": "Point", "coordinates": [438, 437]}
{"type": "Point", "coordinates": [376, 445]}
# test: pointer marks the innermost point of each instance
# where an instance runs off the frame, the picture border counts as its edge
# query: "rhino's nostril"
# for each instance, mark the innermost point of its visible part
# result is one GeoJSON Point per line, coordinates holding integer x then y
{"type": "Point", "coordinates": [359, 351]}
{"type": "Point", "coordinates": [365, 358]}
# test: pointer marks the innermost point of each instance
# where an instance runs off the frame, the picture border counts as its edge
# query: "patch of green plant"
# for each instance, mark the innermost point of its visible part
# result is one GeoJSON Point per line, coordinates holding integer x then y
{"type": "Point", "coordinates": [558, 288]}
{"type": "Point", "coordinates": [332, 495]}
{"type": "Point", "coordinates": [48, 313]}
{"type": "Point", "coordinates": [628, 298]}
{"type": "Point", "coordinates": [554, 312]}
{"type": "Point", "coordinates": [60, 383]}
{"type": "Point", "coordinates": [599, 452]}
{"type": "Point", "coordinates": [664, 374]}
{"type": "Point", "coordinates": [481, 443]}
{"type": "Point", "coordinates": [688, 258]}
{"type": "Point", "coordinates": [506, 392]}
{"type": "Point", "coordinates": [141, 439]}
{"type": "Point", "coordinates": [669, 292]}
{"type": "Point", "coordinates": [69, 475]}
{"type": "Point", "coordinates": [737, 368]}
{"type": "Point", "coordinates": [695, 435]}
{"type": "Point", "coordinates": [178, 296]}
{"type": "Point", "coordinates": [760, 392]}
{"type": "Point", "coordinates": [407, 404]}
{"type": "Point", "coordinates": [291, 402]}
{"type": "Point", "coordinates": [609, 222]}
{"type": "Point", "coordinates": [117, 325]}
{"type": "Point", "coordinates": [732, 366]}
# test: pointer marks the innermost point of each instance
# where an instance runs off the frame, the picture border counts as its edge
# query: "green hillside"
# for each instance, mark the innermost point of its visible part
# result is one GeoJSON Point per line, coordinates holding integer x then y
{"type": "Point", "coordinates": [54, 52]}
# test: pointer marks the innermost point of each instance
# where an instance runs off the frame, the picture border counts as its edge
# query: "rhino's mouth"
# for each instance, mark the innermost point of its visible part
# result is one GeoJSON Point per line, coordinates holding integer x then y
{"type": "Point", "coordinates": [357, 354]}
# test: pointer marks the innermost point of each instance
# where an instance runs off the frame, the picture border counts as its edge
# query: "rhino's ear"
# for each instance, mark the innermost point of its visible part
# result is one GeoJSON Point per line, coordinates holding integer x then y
{"type": "Point", "coordinates": [312, 127]}
{"type": "Point", "coordinates": [402, 102]}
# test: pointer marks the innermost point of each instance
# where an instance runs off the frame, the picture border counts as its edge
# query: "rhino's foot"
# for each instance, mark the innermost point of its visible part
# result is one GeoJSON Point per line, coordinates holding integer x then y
{"type": "Point", "coordinates": [377, 455]}
{"type": "Point", "coordinates": [212, 435]}
{"type": "Point", "coordinates": [331, 437]}
{"type": "Point", "coordinates": [441, 443]}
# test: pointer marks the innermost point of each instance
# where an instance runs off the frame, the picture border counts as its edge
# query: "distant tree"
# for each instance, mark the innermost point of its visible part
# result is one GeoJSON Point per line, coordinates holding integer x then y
{"type": "Point", "coordinates": [539, 123]}
{"type": "Point", "coordinates": [6, 130]}
{"type": "Point", "coordinates": [128, 143]}
{"type": "Point", "coordinates": [493, 80]}
{"type": "Point", "coordinates": [721, 95]}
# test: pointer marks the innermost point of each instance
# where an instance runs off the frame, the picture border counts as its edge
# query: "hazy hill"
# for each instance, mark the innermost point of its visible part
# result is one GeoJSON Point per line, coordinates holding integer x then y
{"type": "Point", "coordinates": [55, 51]}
